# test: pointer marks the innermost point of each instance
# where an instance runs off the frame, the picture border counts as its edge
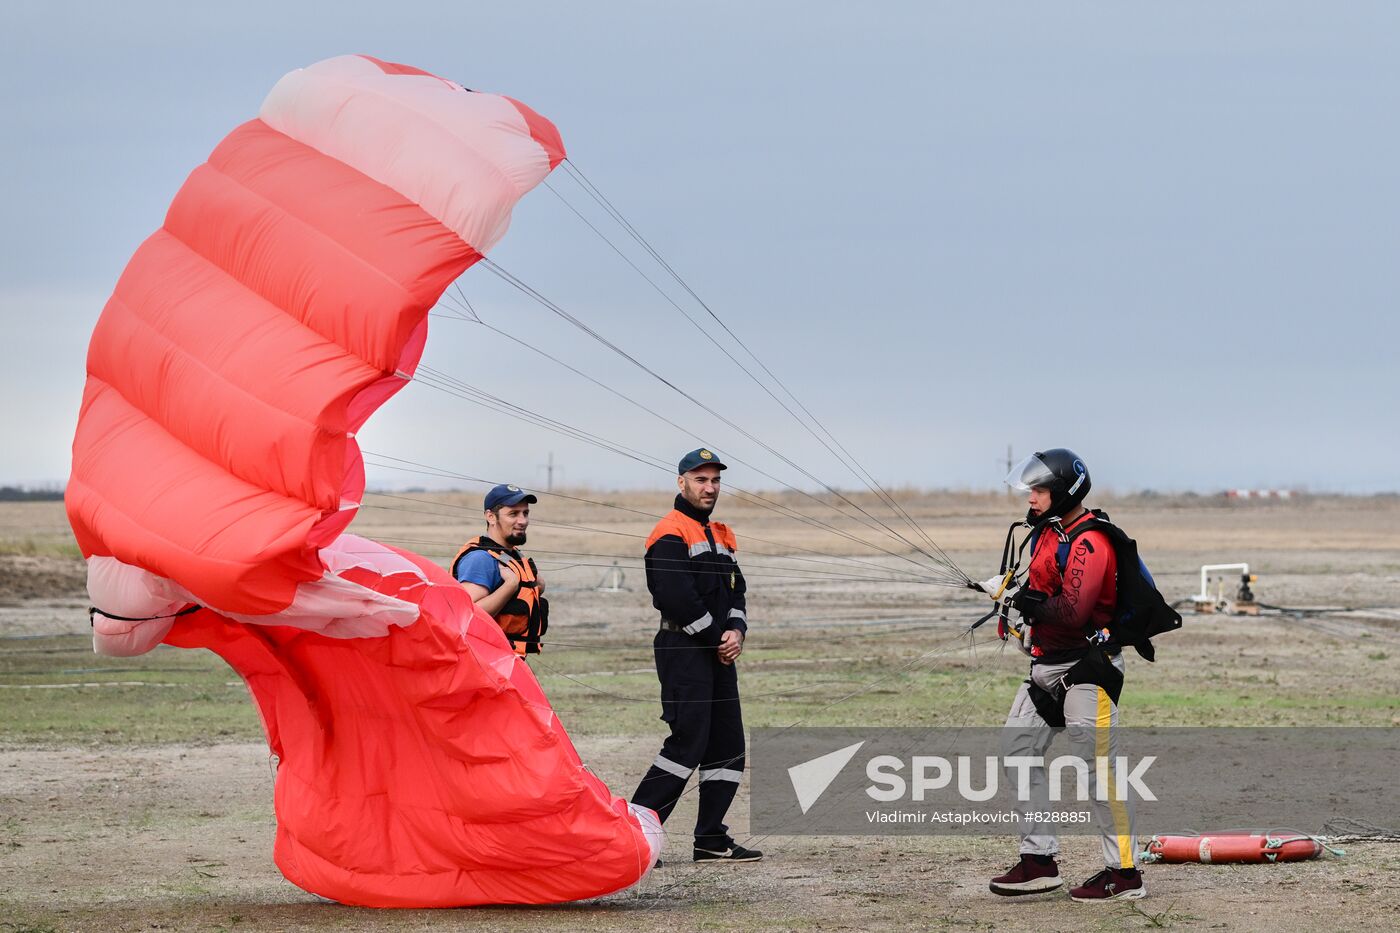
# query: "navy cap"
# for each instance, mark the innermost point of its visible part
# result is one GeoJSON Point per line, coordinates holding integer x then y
{"type": "Point", "coordinates": [507, 495]}
{"type": "Point", "coordinates": [698, 458]}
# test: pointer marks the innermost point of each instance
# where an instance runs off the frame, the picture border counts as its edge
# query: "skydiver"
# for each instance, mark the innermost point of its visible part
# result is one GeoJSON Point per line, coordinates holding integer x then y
{"type": "Point", "coordinates": [1070, 596]}
{"type": "Point", "coordinates": [499, 577]}
{"type": "Point", "coordinates": [698, 588]}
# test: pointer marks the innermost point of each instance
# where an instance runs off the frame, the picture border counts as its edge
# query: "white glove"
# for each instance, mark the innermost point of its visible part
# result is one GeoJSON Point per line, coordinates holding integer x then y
{"type": "Point", "coordinates": [1024, 642]}
{"type": "Point", "coordinates": [998, 587]}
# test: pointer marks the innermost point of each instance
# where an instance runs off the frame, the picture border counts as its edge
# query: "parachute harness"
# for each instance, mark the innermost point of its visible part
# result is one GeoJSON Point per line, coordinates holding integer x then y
{"type": "Point", "coordinates": [1010, 571]}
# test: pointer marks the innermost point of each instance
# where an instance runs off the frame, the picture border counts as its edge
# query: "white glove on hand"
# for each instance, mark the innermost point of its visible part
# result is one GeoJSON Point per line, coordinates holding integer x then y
{"type": "Point", "coordinates": [993, 587]}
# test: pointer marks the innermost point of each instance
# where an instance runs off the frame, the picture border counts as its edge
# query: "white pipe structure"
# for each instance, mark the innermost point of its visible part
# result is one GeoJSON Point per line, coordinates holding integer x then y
{"type": "Point", "coordinates": [612, 580]}
{"type": "Point", "coordinates": [1204, 596]}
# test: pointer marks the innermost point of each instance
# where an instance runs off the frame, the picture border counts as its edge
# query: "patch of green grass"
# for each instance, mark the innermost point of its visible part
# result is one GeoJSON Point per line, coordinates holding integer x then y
{"type": "Point", "coordinates": [174, 695]}
{"type": "Point", "coordinates": [40, 546]}
{"type": "Point", "coordinates": [56, 691]}
{"type": "Point", "coordinates": [126, 716]}
{"type": "Point", "coordinates": [1247, 707]}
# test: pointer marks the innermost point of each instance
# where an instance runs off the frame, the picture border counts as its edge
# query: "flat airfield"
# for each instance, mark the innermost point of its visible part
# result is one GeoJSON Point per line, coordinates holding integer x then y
{"type": "Point", "coordinates": [136, 794]}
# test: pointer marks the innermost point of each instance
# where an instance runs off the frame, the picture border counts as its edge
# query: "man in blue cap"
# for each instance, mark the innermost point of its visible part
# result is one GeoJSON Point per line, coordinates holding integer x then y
{"type": "Point", "coordinates": [698, 588]}
{"type": "Point", "coordinates": [498, 577]}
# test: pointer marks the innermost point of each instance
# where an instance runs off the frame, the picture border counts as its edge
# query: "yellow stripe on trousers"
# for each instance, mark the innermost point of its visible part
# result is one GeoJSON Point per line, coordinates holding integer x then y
{"type": "Point", "coordinates": [1117, 807]}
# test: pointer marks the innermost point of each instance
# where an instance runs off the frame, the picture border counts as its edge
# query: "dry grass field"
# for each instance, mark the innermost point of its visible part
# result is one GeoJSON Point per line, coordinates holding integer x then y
{"type": "Point", "coordinates": [135, 794]}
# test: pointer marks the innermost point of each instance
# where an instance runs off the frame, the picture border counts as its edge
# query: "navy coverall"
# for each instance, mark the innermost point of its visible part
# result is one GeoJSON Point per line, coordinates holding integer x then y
{"type": "Point", "coordinates": [698, 588]}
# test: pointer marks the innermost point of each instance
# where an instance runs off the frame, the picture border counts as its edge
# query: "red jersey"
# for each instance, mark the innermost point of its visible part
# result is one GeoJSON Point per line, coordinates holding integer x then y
{"type": "Point", "coordinates": [1082, 599]}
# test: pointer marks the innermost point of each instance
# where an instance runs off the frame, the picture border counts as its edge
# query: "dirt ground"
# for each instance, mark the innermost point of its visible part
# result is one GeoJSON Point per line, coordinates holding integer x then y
{"type": "Point", "coordinates": [104, 828]}
{"type": "Point", "coordinates": [179, 838]}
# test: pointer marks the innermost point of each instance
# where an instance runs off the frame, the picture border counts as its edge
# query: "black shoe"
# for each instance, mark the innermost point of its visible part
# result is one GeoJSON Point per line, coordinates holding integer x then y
{"type": "Point", "coordinates": [1033, 874]}
{"type": "Point", "coordinates": [734, 853]}
{"type": "Point", "coordinates": [1111, 884]}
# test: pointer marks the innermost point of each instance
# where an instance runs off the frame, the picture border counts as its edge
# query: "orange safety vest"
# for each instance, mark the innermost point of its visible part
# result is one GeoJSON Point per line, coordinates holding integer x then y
{"type": "Point", "coordinates": [525, 618]}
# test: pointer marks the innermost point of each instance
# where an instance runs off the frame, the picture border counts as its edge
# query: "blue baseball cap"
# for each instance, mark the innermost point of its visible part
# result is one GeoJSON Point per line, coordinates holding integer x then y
{"type": "Point", "coordinates": [506, 494]}
{"type": "Point", "coordinates": [698, 458]}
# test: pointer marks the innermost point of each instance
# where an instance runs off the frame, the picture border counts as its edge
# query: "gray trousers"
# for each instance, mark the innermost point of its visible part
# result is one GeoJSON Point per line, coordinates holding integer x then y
{"type": "Point", "coordinates": [1091, 725]}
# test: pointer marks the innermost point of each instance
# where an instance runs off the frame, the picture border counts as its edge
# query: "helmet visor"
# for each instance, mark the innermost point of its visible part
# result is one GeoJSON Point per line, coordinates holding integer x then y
{"type": "Point", "coordinates": [1031, 471]}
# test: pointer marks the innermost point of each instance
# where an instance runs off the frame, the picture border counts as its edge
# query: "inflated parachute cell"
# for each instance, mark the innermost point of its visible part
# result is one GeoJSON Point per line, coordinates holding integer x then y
{"type": "Point", "coordinates": [215, 465]}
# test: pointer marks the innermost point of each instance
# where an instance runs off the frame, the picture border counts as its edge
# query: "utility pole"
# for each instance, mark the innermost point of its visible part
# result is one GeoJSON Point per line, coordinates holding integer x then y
{"type": "Point", "coordinates": [1010, 462]}
{"type": "Point", "coordinates": [549, 473]}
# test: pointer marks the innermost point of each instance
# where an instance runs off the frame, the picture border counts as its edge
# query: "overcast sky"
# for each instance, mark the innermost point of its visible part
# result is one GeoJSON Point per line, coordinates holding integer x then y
{"type": "Point", "coordinates": [1162, 234]}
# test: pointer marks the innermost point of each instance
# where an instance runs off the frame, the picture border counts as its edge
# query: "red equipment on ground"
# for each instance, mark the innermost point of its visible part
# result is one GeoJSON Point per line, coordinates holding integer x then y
{"type": "Point", "coordinates": [1233, 848]}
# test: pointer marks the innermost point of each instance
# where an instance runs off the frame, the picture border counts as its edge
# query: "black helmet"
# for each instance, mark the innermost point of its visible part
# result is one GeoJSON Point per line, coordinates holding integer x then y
{"type": "Point", "coordinates": [1059, 470]}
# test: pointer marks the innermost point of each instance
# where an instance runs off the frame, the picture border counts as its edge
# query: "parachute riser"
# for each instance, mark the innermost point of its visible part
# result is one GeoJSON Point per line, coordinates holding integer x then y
{"type": "Point", "coordinates": [1010, 572]}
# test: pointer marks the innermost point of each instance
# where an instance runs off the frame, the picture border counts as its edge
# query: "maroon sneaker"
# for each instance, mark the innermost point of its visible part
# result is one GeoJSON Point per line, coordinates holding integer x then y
{"type": "Point", "coordinates": [1033, 874]}
{"type": "Point", "coordinates": [1111, 884]}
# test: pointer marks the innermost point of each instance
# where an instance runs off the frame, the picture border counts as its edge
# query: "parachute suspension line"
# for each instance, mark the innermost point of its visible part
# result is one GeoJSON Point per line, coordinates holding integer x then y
{"type": "Point", "coordinates": [411, 466]}
{"type": "Point", "coordinates": [455, 387]}
{"type": "Point", "coordinates": [842, 573]}
{"type": "Point", "coordinates": [763, 502]}
{"type": "Point", "coordinates": [475, 317]}
{"type": "Point", "coordinates": [839, 452]}
{"type": "Point", "coordinates": [478, 397]}
{"type": "Point", "coordinates": [827, 569]}
{"type": "Point", "coordinates": [524, 288]}
{"type": "Point", "coordinates": [556, 309]}
{"type": "Point", "coordinates": [820, 577]}
{"type": "Point", "coordinates": [470, 394]}
{"type": "Point", "coordinates": [871, 521]}
{"type": "Point", "coordinates": [830, 442]}
{"type": "Point", "coordinates": [783, 573]}
{"type": "Point", "coordinates": [826, 559]}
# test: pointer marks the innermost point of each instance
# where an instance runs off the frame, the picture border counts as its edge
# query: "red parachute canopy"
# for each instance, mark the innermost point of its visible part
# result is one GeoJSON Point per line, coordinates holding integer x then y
{"type": "Point", "coordinates": [215, 465]}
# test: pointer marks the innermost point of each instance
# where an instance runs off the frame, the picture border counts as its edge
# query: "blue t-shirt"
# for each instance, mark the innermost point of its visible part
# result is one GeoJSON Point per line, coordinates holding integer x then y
{"type": "Point", "coordinates": [481, 568]}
